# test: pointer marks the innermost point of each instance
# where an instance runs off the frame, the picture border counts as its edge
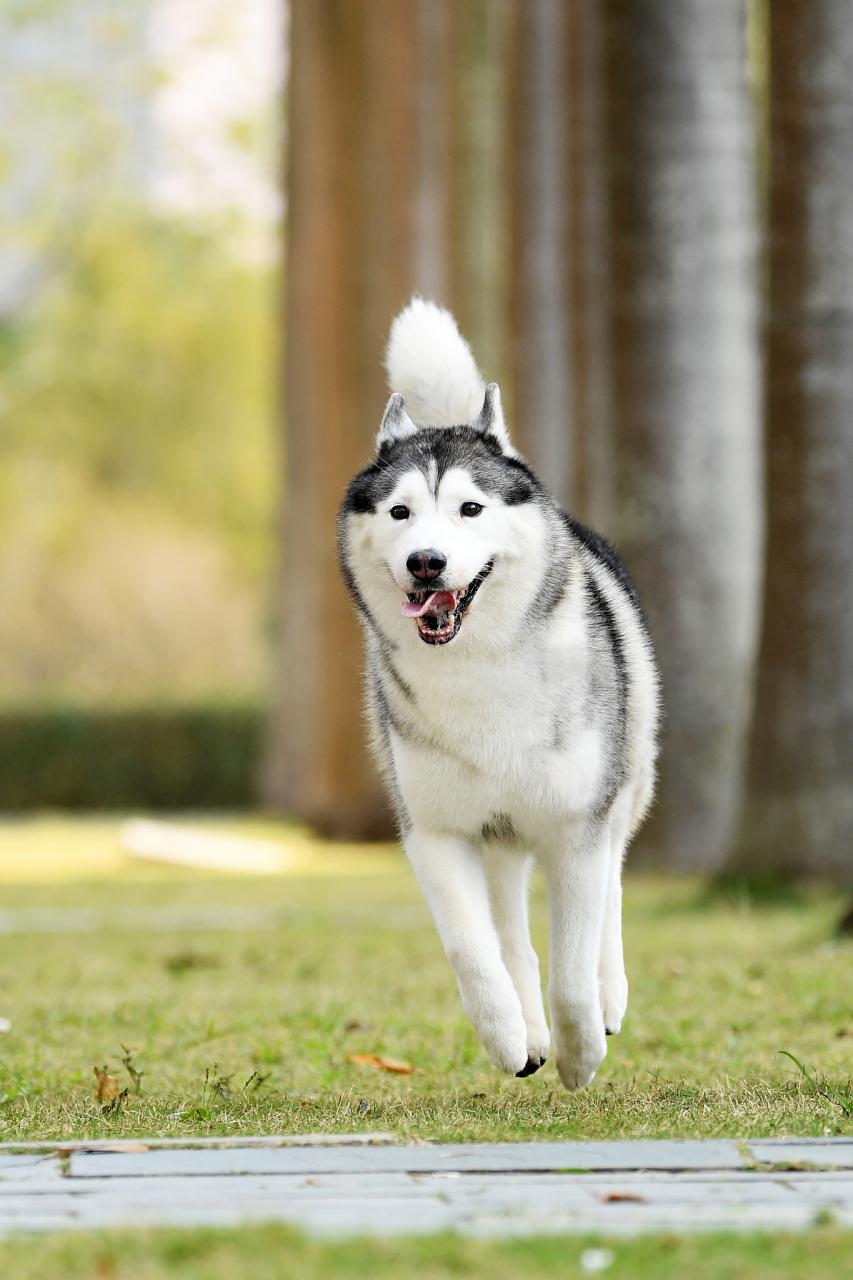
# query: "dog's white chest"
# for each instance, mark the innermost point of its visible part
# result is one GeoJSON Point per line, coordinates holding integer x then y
{"type": "Point", "coordinates": [484, 738]}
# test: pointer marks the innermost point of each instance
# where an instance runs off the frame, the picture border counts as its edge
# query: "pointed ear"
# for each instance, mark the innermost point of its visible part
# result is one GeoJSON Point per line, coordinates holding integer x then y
{"type": "Point", "coordinates": [396, 424]}
{"type": "Point", "coordinates": [491, 419]}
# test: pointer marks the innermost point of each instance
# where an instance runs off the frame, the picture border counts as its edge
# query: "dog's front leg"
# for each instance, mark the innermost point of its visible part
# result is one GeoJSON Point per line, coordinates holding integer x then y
{"type": "Point", "coordinates": [508, 874]}
{"type": "Point", "coordinates": [453, 879]}
{"type": "Point", "coordinates": [578, 876]}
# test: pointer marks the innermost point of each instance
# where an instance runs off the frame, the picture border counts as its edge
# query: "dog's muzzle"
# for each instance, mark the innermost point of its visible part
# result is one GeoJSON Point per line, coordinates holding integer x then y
{"type": "Point", "coordinates": [440, 614]}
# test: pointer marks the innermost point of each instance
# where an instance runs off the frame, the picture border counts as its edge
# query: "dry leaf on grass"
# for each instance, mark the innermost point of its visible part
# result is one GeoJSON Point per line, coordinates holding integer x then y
{"type": "Point", "coordinates": [108, 1088]}
{"type": "Point", "coordinates": [616, 1197]}
{"type": "Point", "coordinates": [379, 1063]}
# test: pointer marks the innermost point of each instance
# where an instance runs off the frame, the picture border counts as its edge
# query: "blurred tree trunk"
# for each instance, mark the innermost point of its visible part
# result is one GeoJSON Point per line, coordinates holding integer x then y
{"type": "Point", "coordinates": [350, 256]}
{"type": "Point", "coordinates": [591, 292]}
{"type": "Point", "coordinates": [543, 372]}
{"type": "Point", "coordinates": [462, 250]}
{"type": "Point", "coordinates": [798, 811]}
{"type": "Point", "coordinates": [686, 381]}
{"type": "Point", "coordinates": [398, 158]}
{"type": "Point", "coordinates": [437, 268]}
{"type": "Point", "coordinates": [560, 295]}
{"type": "Point", "coordinates": [484, 34]}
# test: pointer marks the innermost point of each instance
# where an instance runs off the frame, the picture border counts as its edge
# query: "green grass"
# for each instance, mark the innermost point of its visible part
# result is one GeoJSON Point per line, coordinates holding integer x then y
{"type": "Point", "coordinates": [718, 988]}
{"type": "Point", "coordinates": [275, 1253]}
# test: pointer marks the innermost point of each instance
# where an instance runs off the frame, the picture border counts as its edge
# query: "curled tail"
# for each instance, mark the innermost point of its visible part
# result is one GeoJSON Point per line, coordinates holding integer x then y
{"type": "Point", "coordinates": [432, 366]}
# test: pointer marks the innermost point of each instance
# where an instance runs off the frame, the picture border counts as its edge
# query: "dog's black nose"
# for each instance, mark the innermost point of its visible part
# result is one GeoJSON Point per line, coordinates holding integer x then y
{"type": "Point", "coordinates": [426, 564]}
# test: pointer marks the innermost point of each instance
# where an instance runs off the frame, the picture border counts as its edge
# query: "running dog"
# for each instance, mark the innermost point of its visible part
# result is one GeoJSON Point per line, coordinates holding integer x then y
{"type": "Point", "coordinates": [513, 701]}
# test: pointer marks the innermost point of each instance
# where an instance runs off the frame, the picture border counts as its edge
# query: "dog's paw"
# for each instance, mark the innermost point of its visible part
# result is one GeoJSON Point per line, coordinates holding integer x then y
{"type": "Point", "coordinates": [531, 1066]}
{"type": "Point", "coordinates": [505, 1041]}
{"type": "Point", "coordinates": [580, 1046]}
{"type": "Point", "coordinates": [538, 1043]}
{"type": "Point", "coordinates": [614, 1001]}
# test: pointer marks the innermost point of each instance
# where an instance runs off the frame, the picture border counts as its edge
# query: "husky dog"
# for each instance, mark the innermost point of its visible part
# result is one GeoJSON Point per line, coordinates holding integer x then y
{"type": "Point", "coordinates": [512, 696]}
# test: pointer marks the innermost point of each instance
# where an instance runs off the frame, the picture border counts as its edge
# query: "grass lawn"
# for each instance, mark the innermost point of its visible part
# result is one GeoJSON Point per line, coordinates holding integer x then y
{"type": "Point", "coordinates": [249, 1031]}
{"type": "Point", "coordinates": [275, 1253]}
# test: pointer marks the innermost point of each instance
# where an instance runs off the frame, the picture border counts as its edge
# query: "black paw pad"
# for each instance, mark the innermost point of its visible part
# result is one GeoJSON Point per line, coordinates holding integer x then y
{"type": "Point", "coordinates": [531, 1067]}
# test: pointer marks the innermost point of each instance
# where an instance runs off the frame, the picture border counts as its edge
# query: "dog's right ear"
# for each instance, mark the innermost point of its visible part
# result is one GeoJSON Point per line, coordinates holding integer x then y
{"type": "Point", "coordinates": [491, 420]}
{"type": "Point", "coordinates": [396, 424]}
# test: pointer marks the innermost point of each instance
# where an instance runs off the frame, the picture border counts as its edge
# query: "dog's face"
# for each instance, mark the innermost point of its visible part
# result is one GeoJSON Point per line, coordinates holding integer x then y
{"type": "Point", "coordinates": [429, 522]}
{"type": "Point", "coordinates": [439, 537]}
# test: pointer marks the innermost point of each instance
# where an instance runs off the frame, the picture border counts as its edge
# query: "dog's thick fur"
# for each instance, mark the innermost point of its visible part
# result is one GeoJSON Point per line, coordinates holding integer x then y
{"type": "Point", "coordinates": [514, 706]}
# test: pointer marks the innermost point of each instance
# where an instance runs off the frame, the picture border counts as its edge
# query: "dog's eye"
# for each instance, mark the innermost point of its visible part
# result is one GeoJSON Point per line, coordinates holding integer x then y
{"type": "Point", "coordinates": [399, 512]}
{"type": "Point", "coordinates": [471, 508]}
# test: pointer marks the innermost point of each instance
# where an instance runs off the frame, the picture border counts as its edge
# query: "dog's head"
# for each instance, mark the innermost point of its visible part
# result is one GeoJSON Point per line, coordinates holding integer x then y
{"type": "Point", "coordinates": [441, 514]}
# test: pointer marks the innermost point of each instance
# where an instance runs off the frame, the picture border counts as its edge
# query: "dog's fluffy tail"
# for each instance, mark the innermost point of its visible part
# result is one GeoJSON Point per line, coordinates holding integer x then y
{"type": "Point", "coordinates": [431, 365]}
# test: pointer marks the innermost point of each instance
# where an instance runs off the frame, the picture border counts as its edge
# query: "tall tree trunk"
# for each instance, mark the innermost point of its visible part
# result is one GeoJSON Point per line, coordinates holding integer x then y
{"type": "Point", "coordinates": [484, 31]}
{"type": "Point", "coordinates": [350, 255]}
{"type": "Point", "coordinates": [591, 293]}
{"type": "Point", "coordinates": [436, 264]}
{"type": "Point", "coordinates": [543, 418]}
{"type": "Point", "coordinates": [798, 811]}
{"type": "Point", "coordinates": [560, 296]}
{"type": "Point", "coordinates": [686, 391]}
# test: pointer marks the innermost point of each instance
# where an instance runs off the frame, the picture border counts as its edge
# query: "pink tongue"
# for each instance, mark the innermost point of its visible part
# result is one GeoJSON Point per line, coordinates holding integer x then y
{"type": "Point", "coordinates": [438, 602]}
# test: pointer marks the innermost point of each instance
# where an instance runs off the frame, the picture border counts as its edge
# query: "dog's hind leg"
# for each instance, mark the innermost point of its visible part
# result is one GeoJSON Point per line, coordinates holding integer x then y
{"type": "Point", "coordinates": [612, 979]}
{"type": "Point", "coordinates": [611, 968]}
{"type": "Point", "coordinates": [453, 878]}
{"type": "Point", "coordinates": [508, 873]}
{"type": "Point", "coordinates": [577, 871]}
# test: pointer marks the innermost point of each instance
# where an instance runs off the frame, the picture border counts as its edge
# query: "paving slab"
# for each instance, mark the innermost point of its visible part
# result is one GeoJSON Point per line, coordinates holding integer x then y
{"type": "Point", "coordinates": [500, 1189]}
{"type": "Point", "coordinates": [471, 1203]}
{"type": "Point", "coordinates": [506, 1157]}
{"type": "Point", "coordinates": [835, 1153]}
{"type": "Point", "coordinates": [29, 1168]}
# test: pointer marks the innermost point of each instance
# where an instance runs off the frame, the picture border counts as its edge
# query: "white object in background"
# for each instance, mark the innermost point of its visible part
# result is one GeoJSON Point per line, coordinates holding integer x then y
{"type": "Point", "coordinates": [193, 847]}
{"type": "Point", "coordinates": [597, 1259]}
{"type": "Point", "coordinates": [5, 1025]}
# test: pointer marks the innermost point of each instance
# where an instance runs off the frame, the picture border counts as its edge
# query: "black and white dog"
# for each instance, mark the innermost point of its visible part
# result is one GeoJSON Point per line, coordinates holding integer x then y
{"type": "Point", "coordinates": [513, 698]}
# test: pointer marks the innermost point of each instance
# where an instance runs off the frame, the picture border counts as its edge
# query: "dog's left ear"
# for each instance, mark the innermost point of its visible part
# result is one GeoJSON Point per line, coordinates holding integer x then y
{"type": "Point", "coordinates": [491, 420]}
{"type": "Point", "coordinates": [396, 423]}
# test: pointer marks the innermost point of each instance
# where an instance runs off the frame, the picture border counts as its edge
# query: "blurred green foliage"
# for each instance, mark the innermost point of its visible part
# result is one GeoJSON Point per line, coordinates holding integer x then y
{"type": "Point", "coordinates": [138, 467]}
{"type": "Point", "coordinates": [145, 373]}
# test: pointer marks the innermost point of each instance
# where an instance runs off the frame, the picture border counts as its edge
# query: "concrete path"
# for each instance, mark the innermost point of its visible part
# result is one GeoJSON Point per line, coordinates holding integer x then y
{"type": "Point", "coordinates": [355, 1185]}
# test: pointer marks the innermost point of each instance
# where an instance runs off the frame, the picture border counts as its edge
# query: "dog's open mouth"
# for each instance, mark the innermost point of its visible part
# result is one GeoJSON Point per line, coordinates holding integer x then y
{"type": "Point", "coordinates": [440, 614]}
